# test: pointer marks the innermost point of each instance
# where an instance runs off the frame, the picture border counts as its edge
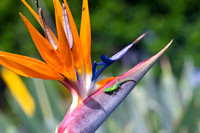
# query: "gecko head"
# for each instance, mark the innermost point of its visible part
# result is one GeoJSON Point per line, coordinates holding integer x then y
{"type": "Point", "coordinates": [108, 90]}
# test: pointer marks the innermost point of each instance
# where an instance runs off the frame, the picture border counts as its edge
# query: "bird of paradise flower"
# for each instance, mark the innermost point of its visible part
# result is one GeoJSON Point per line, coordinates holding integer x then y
{"type": "Point", "coordinates": [67, 58]}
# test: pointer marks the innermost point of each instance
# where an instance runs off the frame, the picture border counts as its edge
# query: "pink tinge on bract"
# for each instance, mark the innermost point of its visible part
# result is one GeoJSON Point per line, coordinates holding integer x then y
{"type": "Point", "coordinates": [94, 110]}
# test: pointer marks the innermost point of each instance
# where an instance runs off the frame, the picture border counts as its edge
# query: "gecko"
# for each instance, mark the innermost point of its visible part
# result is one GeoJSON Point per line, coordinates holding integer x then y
{"type": "Point", "coordinates": [117, 86]}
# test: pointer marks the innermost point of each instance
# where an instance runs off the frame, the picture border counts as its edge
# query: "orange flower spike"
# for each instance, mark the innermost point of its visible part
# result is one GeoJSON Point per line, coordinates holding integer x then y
{"type": "Point", "coordinates": [65, 51]}
{"type": "Point", "coordinates": [28, 67]}
{"type": "Point", "coordinates": [9, 65]}
{"type": "Point", "coordinates": [32, 11]}
{"type": "Point", "coordinates": [47, 32]}
{"type": "Point", "coordinates": [49, 54]}
{"type": "Point", "coordinates": [85, 35]}
{"type": "Point", "coordinates": [58, 9]}
{"type": "Point", "coordinates": [77, 49]}
{"type": "Point", "coordinates": [37, 17]}
{"type": "Point", "coordinates": [101, 83]}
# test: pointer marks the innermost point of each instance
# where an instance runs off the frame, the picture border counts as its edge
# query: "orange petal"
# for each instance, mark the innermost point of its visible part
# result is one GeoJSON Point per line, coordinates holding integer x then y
{"type": "Point", "coordinates": [58, 17]}
{"type": "Point", "coordinates": [28, 67]}
{"type": "Point", "coordinates": [47, 32]}
{"type": "Point", "coordinates": [37, 17]}
{"type": "Point", "coordinates": [102, 82]}
{"type": "Point", "coordinates": [58, 9]}
{"type": "Point", "coordinates": [32, 11]}
{"type": "Point", "coordinates": [65, 51]}
{"type": "Point", "coordinates": [48, 53]}
{"type": "Point", "coordinates": [85, 35]}
{"type": "Point", "coordinates": [77, 49]}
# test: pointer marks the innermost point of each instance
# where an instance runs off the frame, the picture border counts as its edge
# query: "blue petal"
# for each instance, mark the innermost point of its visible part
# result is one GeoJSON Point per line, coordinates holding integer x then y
{"type": "Point", "coordinates": [100, 63]}
{"type": "Point", "coordinates": [106, 62]}
{"type": "Point", "coordinates": [105, 59]}
{"type": "Point", "coordinates": [121, 53]}
{"type": "Point", "coordinates": [94, 68]}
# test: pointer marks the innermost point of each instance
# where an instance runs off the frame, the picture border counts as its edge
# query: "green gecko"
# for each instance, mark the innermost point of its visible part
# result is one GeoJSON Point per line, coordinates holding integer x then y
{"type": "Point", "coordinates": [117, 86]}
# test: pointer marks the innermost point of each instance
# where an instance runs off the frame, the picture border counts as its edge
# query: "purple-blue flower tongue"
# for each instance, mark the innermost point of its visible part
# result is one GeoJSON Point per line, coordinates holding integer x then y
{"type": "Point", "coordinates": [106, 62]}
{"type": "Point", "coordinates": [123, 51]}
{"type": "Point", "coordinates": [105, 59]}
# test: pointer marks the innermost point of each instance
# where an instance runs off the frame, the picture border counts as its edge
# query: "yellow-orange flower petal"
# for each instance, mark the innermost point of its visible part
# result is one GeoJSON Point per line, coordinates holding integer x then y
{"type": "Point", "coordinates": [19, 91]}
{"type": "Point", "coordinates": [37, 17]}
{"type": "Point", "coordinates": [32, 11]}
{"type": "Point", "coordinates": [102, 82]}
{"type": "Point", "coordinates": [65, 51]}
{"type": "Point", "coordinates": [77, 49]}
{"type": "Point", "coordinates": [47, 32]}
{"type": "Point", "coordinates": [48, 53]}
{"type": "Point", "coordinates": [58, 16]}
{"type": "Point", "coordinates": [28, 67]}
{"type": "Point", "coordinates": [58, 9]}
{"type": "Point", "coordinates": [85, 36]}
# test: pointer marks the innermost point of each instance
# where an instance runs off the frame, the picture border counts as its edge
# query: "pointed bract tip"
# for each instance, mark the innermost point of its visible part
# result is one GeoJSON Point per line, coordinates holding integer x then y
{"type": "Point", "coordinates": [155, 57]}
{"type": "Point", "coordinates": [171, 40]}
{"type": "Point", "coordinates": [169, 44]}
{"type": "Point", "coordinates": [22, 16]}
{"type": "Point", "coordinates": [140, 37]}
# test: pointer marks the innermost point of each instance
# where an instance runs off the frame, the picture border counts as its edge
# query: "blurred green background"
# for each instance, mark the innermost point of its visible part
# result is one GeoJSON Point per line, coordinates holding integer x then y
{"type": "Point", "coordinates": [166, 100]}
